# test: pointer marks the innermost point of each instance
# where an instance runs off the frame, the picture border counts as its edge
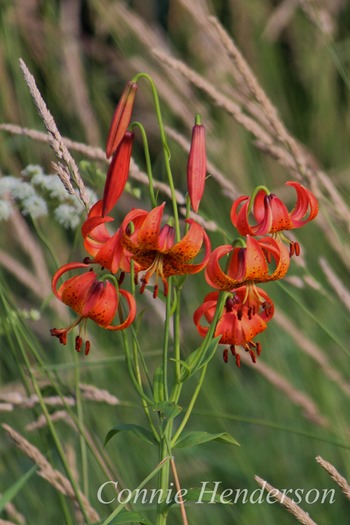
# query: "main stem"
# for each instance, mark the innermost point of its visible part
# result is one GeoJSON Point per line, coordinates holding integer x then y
{"type": "Point", "coordinates": [163, 485]}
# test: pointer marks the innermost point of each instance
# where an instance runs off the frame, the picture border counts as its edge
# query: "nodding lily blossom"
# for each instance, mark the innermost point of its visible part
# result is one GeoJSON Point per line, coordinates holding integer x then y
{"type": "Point", "coordinates": [117, 174]}
{"type": "Point", "coordinates": [238, 324]}
{"type": "Point", "coordinates": [154, 250]}
{"type": "Point", "coordinates": [197, 166]}
{"type": "Point", "coordinates": [106, 249]}
{"type": "Point", "coordinates": [90, 298]}
{"type": "Point", "coordinates": [121, 118]}
{"type": "Point", "coordinates": [249, 264]}
{"type": "Point", "coordinates": [271, 215]}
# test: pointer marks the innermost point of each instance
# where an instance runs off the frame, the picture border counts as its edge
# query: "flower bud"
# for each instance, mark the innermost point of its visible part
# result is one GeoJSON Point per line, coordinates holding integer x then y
{"type": "Point", "coordinates": [121, 118]}
{"type": "Point", "coordinates": [197, 166]}
{"type": "Point", "coordinates": [117, 174]}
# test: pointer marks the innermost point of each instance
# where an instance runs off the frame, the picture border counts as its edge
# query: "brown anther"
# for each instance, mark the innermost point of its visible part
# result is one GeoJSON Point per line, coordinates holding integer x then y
{"type": "Point", "coordinates": [229, 304]}
{"type": "Point", "coordinates": [225, 355]}
{"type": "Point", "coordinates": [291, 249]}
{"type": "Point", "coordinates": [121, 278]}
{"type": "Point", "coordinates": [250, 310]}
{"type": "Point", "coordinates": [238, 360]}
{"type": "Point", "coordinates": [87, 347]}
{"type": "Point", "coordinates": [155, 291]}
{"type": "Point", "coordinates": [252, 356]}
{"type": "Point", "coordinates": [78, 343]}
{"type": "Point", "coordinates": [166, 288]}
{"type": "Point", "coordinates": [143, 285]}
{"type": "Point", "coordinates": [136, 278]}
{"type": "Point", "coordinates": [88, 260]}
{"type": "Point", "coordinates": [239, 313]}
{"type": "Point", "coordinates": [258, 348]}
{"type": "Point", "coordinates": [297, 248]}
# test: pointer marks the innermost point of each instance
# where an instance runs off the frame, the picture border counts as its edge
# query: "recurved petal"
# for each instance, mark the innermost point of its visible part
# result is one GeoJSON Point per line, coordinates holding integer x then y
{"type": "Point", "coordinates": [256, 267]}
{"type": "Point", "coordinates": [148, 233]}
{"type": "Point", "coordinates": [198, 314]}
{"type": "Point", "coordinates": [190, 245]}
{"type": "Point", "coordinates": [103, 303]}
{"type": "Point", "coordinates": [131, 315]}
{"type": "Point", "coordinates": [306, 207]}
{"type": "Point", "coordinates": [111, 254]}
{"type": "Point", "coordinates": [280, 215]}
{"type": "Point", "coordinates": [247, 328]}
{"type": "Point", "coordinates": [280, 254]}
{"type": "Point", "coordinates": [214, 275]}
{"type": "Point", "coordinates": [61, 271]}
{"type": "Point", "coordinates": [75, 291]}
{"type": "Point", "coordinates": [239, 214]}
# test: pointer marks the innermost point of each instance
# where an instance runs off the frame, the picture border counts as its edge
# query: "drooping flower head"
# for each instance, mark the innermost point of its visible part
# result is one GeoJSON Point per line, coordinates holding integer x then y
{"type": "Point", "coordinates": [248, 264]}
{"type": "Point", "coordinates": [238, 324]}
{"type": "Point", "coordinates": [121, 118]}
{"type": "Point", "coordinates": [154, 250]}
{"type": "Point", "coordinates": [91, 298]}
{"type": "Point", "coordinates": [270, 214]}
{"type": "Point", "coordinates": [105, 248]}
{"type": "Point", "coordinates": [197, 165]}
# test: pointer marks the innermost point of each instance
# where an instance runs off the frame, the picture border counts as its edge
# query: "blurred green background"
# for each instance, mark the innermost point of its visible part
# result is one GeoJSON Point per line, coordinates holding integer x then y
{"type": "Point", "coordinates": [293, 405]}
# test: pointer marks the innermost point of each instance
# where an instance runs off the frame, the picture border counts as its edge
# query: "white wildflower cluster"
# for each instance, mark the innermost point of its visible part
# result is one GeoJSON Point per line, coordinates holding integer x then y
{"type": "Point", "coordinates": [36, 192]}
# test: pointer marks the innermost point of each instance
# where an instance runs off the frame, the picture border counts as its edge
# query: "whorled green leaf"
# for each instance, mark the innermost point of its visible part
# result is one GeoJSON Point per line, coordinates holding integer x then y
{"type": "Point", "coordinates": [196, 361]}
{"type": "Point", "coordinates": [137, 430]}
{"type": "Point", "coordinates": [191, 439]}
{"type": "Point", "coordinates": [167, 409]}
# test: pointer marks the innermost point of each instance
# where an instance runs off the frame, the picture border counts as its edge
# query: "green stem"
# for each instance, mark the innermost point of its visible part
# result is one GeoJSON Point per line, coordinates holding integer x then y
{"type": "Point", "coordinates": [166, 340]}
{"type": "Point", "coordinates": [148, 162]}
{"type": "Point", "coordinates": [133, 378]}
{"type": "Point", "coordinates": [190, 406]}
{"type": "Point", "coordinates": [177, 389]}
{"type": "Point", "coordinates": [165, 451]}
{"type": "Point", "coordinates": [165, 148]}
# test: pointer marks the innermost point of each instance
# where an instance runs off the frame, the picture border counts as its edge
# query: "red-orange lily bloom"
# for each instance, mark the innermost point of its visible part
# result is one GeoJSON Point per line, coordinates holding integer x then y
{"type": "Point", "coordinates": [91, 299]}
{"type": "Point", "coordinates": [238, 325]}
{"type": "Point", "coordinates": [249, 264]}
{"type": "Point", "coordinates": [154, 250]}
{"type": "Point", "coordinates": [106, 249]}
{"type": "Point", "coordinates": [121, 118]}
{"type": "Point", "coordinates": [271, 215]}
{"type": "Point", "coordinates": [197, 166]}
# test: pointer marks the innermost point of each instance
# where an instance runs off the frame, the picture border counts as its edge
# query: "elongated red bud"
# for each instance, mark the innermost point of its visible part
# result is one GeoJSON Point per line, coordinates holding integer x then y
{"type": "Point", "coordinates": [197, 166]}
{"type": "Point", "coordinates": [117, 174]}
{"type": "Point", "coordinates": [121, 118]}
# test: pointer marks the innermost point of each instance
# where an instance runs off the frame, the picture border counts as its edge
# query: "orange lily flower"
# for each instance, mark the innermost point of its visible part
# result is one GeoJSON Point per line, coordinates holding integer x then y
{"type": "Point", "coordinates": [248, 265]}
{"type": "Point", "coordinates": [106, 249]}
{"type": "Point", "coordinates": [238, 325]}
{"type": "Point", "coordinates": [197, 166]}
{"type": "Point", "coordinates": [91, 299]}
{"type": "Point", "coordinates": [271, 214]}
{"type": "Point", "coordinates": [153, 248]}
{"type": "Point", "coordinates": [121, 118]}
